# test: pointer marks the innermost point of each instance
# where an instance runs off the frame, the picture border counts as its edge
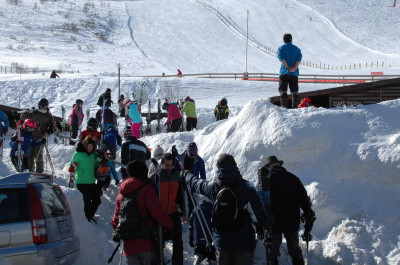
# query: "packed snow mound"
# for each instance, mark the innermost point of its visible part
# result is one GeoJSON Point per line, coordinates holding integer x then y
{"type": "Point", "coordinates": [346, 158]}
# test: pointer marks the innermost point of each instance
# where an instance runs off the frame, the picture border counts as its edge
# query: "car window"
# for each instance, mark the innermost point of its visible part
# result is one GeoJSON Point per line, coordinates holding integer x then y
{"type": "Point", "coordinates": [13, 205]}
{"type": "Point", "coordinates": [52, 199]}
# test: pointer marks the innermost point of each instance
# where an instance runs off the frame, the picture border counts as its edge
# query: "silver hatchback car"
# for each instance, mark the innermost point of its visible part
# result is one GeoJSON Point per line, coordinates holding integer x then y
{"type": "Point", "coordinates": [36, 225]}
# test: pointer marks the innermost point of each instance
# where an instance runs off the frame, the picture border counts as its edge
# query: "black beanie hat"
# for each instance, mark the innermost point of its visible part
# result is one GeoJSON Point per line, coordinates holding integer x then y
{"type": "Point", "coordinates": [224, 160]}
{"type": "Point", "coordinates": [137, 169]}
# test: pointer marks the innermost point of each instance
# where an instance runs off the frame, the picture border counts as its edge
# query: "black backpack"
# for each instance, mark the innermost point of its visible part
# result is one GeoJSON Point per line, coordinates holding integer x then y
{"type": "Point", "coordinates": [131, 225]}
{"type": "Point", "coordinates": [228, 213]}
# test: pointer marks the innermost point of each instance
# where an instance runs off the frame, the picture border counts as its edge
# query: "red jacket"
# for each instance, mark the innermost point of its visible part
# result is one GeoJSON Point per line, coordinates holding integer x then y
{"type": "Point", "coordinates": [95, 135]}
{"type": "Point", "coordinates": [306, 102]}
{"type": "Point", "coordinates": [148, 205]}
{"type": "Point", "coordinates": [173, 112]}
{"type": "Point", "coordinates": [76, 116]}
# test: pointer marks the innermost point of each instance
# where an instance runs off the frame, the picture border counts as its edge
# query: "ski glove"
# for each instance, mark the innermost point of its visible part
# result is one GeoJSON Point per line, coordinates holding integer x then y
{"type": "Point", "coordinates": [72, 167]}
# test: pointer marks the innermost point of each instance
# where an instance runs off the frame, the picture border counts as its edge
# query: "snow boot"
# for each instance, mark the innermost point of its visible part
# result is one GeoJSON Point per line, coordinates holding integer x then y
{"type": "Point", "coordinates": [295, 101]}
{"type": "Point", "coordinates": [298, 261]}
{"type": "Point", "coordinates": [197, 259]}
{"type": "Point", "coordinates": [284, 98]}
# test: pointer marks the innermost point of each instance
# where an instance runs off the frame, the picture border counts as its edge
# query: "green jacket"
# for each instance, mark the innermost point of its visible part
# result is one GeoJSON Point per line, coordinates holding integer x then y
{"type": "Point", "coordinates": [190, 109]}
{"type": "Point", "coordinates": [85, 170]}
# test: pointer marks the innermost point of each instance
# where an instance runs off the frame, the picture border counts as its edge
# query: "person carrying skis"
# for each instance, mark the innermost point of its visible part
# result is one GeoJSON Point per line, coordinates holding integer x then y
{"type": "Point", "coordinates": [287, 197]}
{"type": "Point", "coordinates": [54, 74]}
{"type": "Point", "coordinates": [221, 111]}
{"type": "Point", "coordinates": [104, 97]}
{"type": "Point", "coordinates": [83, 164]}
{"type": "Point", "coordinates": [75, 119]}
{"type": "Point", "coordinates": [290, 56]}
{"type": "Point", "coordinates": [4, 125]}
{"type": "Point", "coordinates": [233, 233]}
{"type": "Point", "coordinates": [104, 170]}
{"type": "Point", "coordinates": [45, 126]}
{"type": "Point", "coordinates": [91, 131]}
{"type": "Point", "coordinates": [134, 117]}
{"type": "Point", "coordinates": [172, 201]}
{"type": "Point", "coordinates": [174, 118]}
{"type": "Point", "coordinates": [28, 141]}
{"type": "Point", "coordinates": [132, 149]}
{"type": "Point", "coordinates": [199, 240]}
{"type": "Point", "coordinates": [140, 249]}
{"type": "Point", "coordinates": [189, 108]}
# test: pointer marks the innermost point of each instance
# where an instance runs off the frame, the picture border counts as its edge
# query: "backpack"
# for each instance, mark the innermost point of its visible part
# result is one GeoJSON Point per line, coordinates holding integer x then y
{"type": "Point", "coordinates": [131, 225]}
{"type": "Point", "coordinates": [227, 212]}
{"type": "Point", "coordinates": [110, 136]}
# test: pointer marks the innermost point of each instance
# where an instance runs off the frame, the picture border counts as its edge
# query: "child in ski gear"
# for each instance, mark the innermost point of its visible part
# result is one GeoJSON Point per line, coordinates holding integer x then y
{"type": "Point", "coordinates": [232, 246]}
{"type": "Point", "coordinates": [76, 118]}
{"type": "Point", "coordinates": [285, 209]}
{"type": "Point", "coordinates": [83, 164]}
{"type": "Point", "coordinates": [4, 124]}
{"type": "Point", "coordinates": [110, 118]}
{"type": "Point", "coordinates": [174, 118]}
{"type": "Point", "coordinates": [197, 239]}
{"type": "Point", "coordinates": [156, 155]}
{"type": "Point", "coordinates": [132, 149]}
{"type": "Point", "coordinates": [221, 111]}
{"type": "Point", "coordinates": [28, 141]}
{"type": "Point", "coordinates": [306, 102]}
{"type": "Point", "coordinates": [189, 108]}
{"type": "Point", "coordinates": [134, 118]}
{"type": "Point", "coordinates": [54, 74]}
{"type": "Point", "coordinates": [104, 170]}
{"type": "Point", "coordinates": [110, 140]}
{"type": "Point", "coordinates": [45, 125]}
{"type": "Point", "coordinates": [91, 131]}
{"type": "Point", "coordinates": [121, 106]}
{"type": "Point", "coordinates": [172, 201]}
{"type": "Point", "coordinates": [104, 97]}
{"type": "Point", "coordinates": [290, 57]}
{"type": "Point", "coordinates": [140, 250]}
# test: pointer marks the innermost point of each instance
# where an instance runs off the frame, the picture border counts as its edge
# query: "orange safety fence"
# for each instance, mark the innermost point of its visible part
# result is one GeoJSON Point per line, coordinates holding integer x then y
{"type": "Point", "coordinates": [309, 80]}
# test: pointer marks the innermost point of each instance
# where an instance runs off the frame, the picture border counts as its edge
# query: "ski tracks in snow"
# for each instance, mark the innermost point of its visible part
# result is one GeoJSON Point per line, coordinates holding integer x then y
{"type": "Point", "coordinates": [131, 30]}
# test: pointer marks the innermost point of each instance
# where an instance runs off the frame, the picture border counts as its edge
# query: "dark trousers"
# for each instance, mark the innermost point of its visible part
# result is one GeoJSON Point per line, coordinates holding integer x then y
{"type": "Point", "coordinates": [104, 184]}
{"type": "Point", "coordinates": [74, 131]}
{"type": "Point", "coordinates": [91, 198]}
{"type": "Point", "coordinates": [288, 80]}
{"type": "Point", "coordinates": [36, 156]}
{"type": "Point", "coordinates": [234, 258]}
{"type": "Point", "coordinates": [292, 241]}
{"type": "Point", "coordinates": [176, 237]}
{"type": "Point", "coordinates": [191, 123]}
{"type": "Point", "coordinates": [176, 125]}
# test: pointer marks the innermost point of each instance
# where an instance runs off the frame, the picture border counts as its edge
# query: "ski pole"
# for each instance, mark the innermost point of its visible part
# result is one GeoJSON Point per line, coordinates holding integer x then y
{"type": "Point", "coordinates": [113, 254]}
{"type": "Point", "coordinates": [122, 254]}
{"type": "Point", "coordinates": [202, 218]}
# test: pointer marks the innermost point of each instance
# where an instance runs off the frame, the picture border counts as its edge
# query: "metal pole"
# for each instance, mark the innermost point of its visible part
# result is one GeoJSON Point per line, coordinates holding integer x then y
{"type": "Point", "coordinates": [247, 39]}
{"type": "Point", "coordinates": [119, 80]}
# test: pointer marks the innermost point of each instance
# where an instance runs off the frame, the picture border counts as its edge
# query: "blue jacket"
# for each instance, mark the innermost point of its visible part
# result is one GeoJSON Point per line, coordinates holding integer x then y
{"type": "Point", "coordinates": [291, 54]}
{"type": "Point", "coordinates": [4, 123]}
{"type": "Point", "coordinates": [196, 232]}
{"type": "Point", "coordinates": [243, 239]}
{"type": "Point", "coordinates": [113, 172]}
{"type": "Point", "coordinates": [199, 168]}
{"type": "Point", "coordinates": [27, 142]}
{"type": "Point", "coordinates": [134, 113]}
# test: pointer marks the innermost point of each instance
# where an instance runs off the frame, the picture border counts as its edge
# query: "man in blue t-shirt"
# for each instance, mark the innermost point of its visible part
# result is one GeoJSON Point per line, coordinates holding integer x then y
{"type": "Point", "coordinates": [290, 56]}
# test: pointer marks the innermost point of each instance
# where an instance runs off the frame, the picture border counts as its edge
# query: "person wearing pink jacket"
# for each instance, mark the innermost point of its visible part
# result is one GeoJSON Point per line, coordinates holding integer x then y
{"type": "Point", "coordinates": [174, 118]}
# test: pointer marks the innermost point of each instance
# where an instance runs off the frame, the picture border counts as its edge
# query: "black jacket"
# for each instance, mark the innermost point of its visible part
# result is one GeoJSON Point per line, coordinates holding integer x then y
{"type": "Point", "coordinates": [134, 149]}
{"type": "Point", "coordinates": [288, 196]}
